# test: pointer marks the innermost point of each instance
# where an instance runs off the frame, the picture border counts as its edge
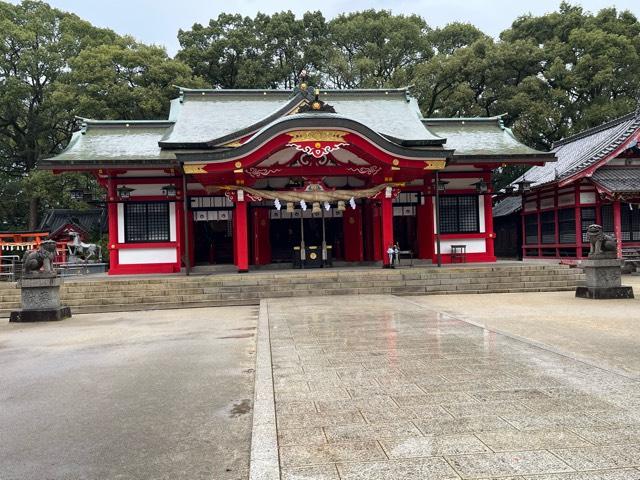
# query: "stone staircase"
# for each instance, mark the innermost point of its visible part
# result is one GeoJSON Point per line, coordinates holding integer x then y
{"type": "Point", "coordinates": [111, 294]}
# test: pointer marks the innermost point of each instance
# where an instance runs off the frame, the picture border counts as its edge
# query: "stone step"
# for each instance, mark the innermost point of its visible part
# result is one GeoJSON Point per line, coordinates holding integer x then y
{"type": "Point", "coordinates": [208, 288]}
{"type": "Point", "coordinates": [176, 297]}
{"type": "Point", "coordinates": [170, 291]}
{"type": "Point", "coordinates": [318, 274]}
{"type": "Point", "coordinates": [112, 287]}
{"type": "Point", "coordinates": [118, 294]}
{"type": "Point", "coordinates": [237, 302]}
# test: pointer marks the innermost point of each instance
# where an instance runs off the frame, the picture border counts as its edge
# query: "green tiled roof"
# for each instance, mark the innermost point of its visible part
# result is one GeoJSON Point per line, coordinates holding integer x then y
{"type": "Point", "coordinates": [113, 142]}
{"type": "Point", "coordinates": [480, 137]}
{"type": "Point", "coordinates": [216, 117]}
{"type": "Point", "coordinates": [204, 119]}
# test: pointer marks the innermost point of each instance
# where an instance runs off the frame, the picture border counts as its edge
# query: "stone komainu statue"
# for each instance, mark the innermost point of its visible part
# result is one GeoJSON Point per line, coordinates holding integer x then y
{"type": "Point", "coordinates": [600, 241]}
{"type": "Point", "coordinates": [42, 258]}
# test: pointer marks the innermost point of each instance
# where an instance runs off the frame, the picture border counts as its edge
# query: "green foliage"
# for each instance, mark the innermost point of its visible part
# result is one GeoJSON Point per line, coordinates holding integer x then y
{"type": "Point", "coordinates": [124, 80]}
{"type": "Point", "coordinates": [46, 190]}
{"type": "Point", "coordinates": [54, 66]}
{"type": "Point", "coordinates": [264, 52]}
{"type": "Point", "coordinates": [363, 49]}
{"type": "Point", "coordinates": [375, 49]}
{"type": "Point", "coordinates": [36, 44]}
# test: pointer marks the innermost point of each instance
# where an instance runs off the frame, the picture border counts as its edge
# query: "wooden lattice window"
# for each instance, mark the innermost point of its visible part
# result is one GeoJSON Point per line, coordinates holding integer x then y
{"type": "Point", "coordinates": [146, 222]}
{"type": "Point", "coordinates": [548, 226]}
{"type": "Point", "coordinates": [567, 225]}
{"type": "Point", "coordinates": [459, 214]}
{"type": "Point", "coordinates": [531, 229]}
{"type": "Point", "coordinates": [587, 217]}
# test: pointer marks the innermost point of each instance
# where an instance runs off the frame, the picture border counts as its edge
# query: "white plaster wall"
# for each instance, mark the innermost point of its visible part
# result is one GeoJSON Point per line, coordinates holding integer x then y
{"type": "Point", "coordinates": [138, 256]}
{"type": "Point", "coordinates": [144, 189]}
{"type": "Point", "coordinates": [587, 197]}
{"type": "Point", "coordinates": [121, 223]}
{"type": "Point", "coordinates": [173, 225]}
{"type": "Point", "coordinates": [474, 245]}
{"type": "Point", "coordinates": [548, 202]}
{"type": "Point", "coordinates": [567, 199]}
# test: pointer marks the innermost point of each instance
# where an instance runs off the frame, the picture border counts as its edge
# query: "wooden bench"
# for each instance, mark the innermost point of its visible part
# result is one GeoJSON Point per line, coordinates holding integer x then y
{"type": "Point", "coordinates": [458, 254]}
{"type": "Point", "coordinates": [406, 253]}
{"type": "Point", "coordinates": [631, 257]}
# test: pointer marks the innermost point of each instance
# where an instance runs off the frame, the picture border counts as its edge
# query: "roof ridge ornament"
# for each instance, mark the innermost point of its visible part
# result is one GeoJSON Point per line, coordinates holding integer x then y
{"type": "Point", "coordinates": [312, 97]}
{"type": "Point", "coordinates": [316, 105]}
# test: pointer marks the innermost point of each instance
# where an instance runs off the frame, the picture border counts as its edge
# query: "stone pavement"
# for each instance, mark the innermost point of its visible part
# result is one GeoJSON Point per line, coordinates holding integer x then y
{"type": "Point", "coordinates": [602, 332]}
{"type": "Point", "coordinates": [143, 395]}
{"type": "Point", "coordinates": [380, 387]}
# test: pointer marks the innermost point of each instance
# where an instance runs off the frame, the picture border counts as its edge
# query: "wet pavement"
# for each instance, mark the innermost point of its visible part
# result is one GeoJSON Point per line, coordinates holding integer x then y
{"type": "Point", "coordinates": [381, 387]}
{"type": "Point", "coordinates": [143, 395]}
{"type": "Point", "coordinates": [602, 332]}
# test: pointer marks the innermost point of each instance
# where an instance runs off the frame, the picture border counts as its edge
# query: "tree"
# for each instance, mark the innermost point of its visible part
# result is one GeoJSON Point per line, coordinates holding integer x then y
{"type": "Point", "coordinates": [226, 53]}
{"type": "Point", "coordinates": [293, 45]}
{"type": "Point", "coordinates": [36, 44]}
{"type": "Point", "coordinates": [123, 80]}
{"type": "Point", "coordinates": [268, 51]}
{"type": "Point", "coordinates": [53, 66]}
{"type": "Point", "coordinates": [375, 49]}
{"type": "Point", "coordinates": [455, 35]}
{"type": "Point", "coordinates": [588, 61]}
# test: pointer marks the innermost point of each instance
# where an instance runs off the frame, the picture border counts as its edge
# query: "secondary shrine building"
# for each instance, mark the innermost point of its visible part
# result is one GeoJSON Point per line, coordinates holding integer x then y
{"type": "Point", "coordinates": [596, 179]}
{"type": "Point", "coordinates": [302, 177]}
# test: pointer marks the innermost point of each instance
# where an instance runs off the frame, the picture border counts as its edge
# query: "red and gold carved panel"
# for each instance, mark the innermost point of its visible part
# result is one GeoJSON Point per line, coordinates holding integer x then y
{"type": "Point", "coordinates": [317, 143]}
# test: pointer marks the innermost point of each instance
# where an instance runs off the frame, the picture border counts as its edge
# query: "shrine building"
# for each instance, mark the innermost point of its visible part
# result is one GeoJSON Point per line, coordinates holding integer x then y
{"type": "Point", "coordinates": [303, 177]}
{"type": "Point", "coordinates": [596, 179]}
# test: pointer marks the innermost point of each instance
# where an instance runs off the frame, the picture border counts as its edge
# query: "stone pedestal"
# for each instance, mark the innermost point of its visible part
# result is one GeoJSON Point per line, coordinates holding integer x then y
{"type": "Point", "coordinates": [604, 279]}
{"type": "Point", "coordinates": [40, 300]}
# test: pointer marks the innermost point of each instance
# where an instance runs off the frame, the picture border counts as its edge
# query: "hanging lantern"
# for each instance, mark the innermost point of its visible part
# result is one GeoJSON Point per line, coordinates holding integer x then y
{"type": "Point", "coordinates": [303, 205]}
{"type": "Point", "coordinates": [277, 203]}
{"type": "Point", "coordinates": [524, 186]}
{"type": "Point", "coordinates": [341, 206]}
{"type": "Point", "coordinates": [124, 192]}
{"type": "Point", "coordinates": [315, 208]}
{"type": "Point", "coordinates": [76, 194]}
{"type": "Point", "coordinates": [352, 202]}
{"type": "Point", "coordinates": [481, 186]}
{"type": "Point", "coordinates": [327, 206]}
{"type": "Point", "coordinates": [289, 207]}
{"type": "Point", "coordinates": [169, 190]}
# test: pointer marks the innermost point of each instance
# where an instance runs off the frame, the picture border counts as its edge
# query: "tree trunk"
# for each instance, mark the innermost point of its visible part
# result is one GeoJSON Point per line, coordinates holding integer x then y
{"type": "Point", "coordinates": [33, 214]}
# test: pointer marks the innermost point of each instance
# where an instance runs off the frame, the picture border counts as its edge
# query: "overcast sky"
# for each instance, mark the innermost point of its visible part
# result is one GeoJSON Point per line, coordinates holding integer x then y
{"type": "Point", "coordinates": [158, 21]}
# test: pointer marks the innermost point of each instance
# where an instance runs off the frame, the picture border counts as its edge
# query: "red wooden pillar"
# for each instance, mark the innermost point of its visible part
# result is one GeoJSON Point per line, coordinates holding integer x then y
{"type": "Point", "coordinates": [539, 224]}
{"type": "Point", "coordinates": [240, 235]}
{"type": "Point", "coordinates": [578, 220]}
{"type": "Point", "coordinates": [376, 231]}
{"type": "Point", "coordinates": [617, 225]}
{"type": "Point", "coordinates": [261, 237]}
{"type": "Point", "coordinates": [180, 229]}
{"type": "Point", "coordinates": [387, 228]}
{"type": "Point", "coordinates": [112, 216]}
{"type": "Point", "coordinates": [352, 226]}
{"type": "Point", "coordinates": [488, 226]}
{"type": "Point", "coordinates": [192, 239]}
{"type": "Point", "coordinates": [425, 221]}
{"type": "Point", "coordinates": [371, 228]}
